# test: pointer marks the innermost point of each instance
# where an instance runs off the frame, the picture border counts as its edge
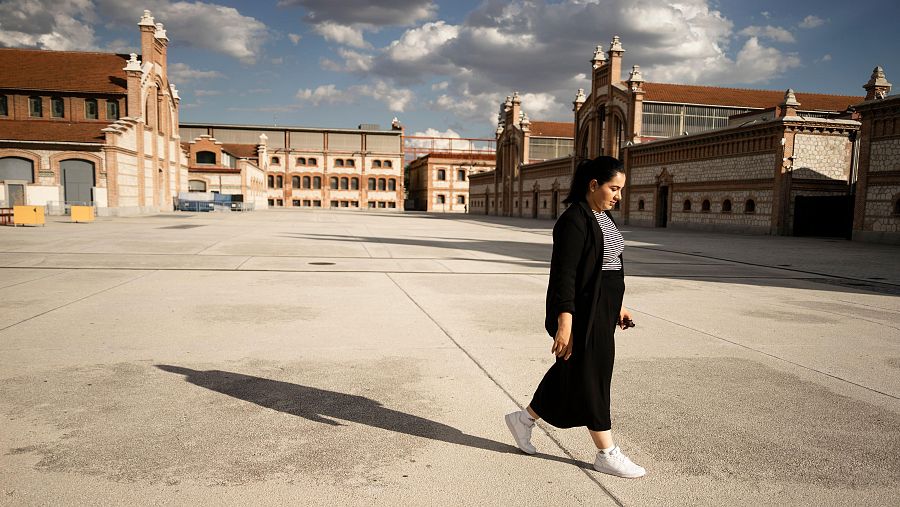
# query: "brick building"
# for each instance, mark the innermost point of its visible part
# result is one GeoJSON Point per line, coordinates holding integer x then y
{"type": "Point", "coordinates": [101, 128]}
{"type": "Point", "coordinates": [314, 167]}
{"type": "Point", "coordinates": [705, 157]}
{"type": "Point", "coordinates": [439, 181]}
{"type": "Point", "coordinates": [227, 169]}
{"type": "Point", "coordinates": [877, 204]}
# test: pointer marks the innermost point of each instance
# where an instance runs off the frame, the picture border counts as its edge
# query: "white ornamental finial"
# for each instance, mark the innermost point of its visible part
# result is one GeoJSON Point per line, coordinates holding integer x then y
{"type": "Point", "coordinates": [790, 99]}
{"type": "Point", "coordinates": [174, 92]}
{"type": "Point", "coordinates": [579, 96]}
{"type": "Point", "coordinates": [515, 98]}
{"type": "Point", "coordinates": [395, 123]}
{"type": "Point", "coordinates": [160, 32]}
{"type": "Point", "coordinates": [146, 20]}
{"type": "Point", "coordinates": [523, 119]}
{"type": "Point", "coordinates": [599, 56]}
{"type": "Point", "coordinates": [133, 64]}
{"type": "Point", "coordinates": [636, 74]}
{"type": "Point", "coordinates": [616, 44]}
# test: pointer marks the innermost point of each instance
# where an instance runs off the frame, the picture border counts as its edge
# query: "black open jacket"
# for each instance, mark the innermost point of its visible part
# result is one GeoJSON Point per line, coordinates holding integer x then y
{"type": "Point", "coordinates": [575, 270]}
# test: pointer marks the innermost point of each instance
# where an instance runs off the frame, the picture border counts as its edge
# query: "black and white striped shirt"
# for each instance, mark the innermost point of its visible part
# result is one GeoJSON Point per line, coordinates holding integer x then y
{"type": "Point", "coordinates": [613, 243]}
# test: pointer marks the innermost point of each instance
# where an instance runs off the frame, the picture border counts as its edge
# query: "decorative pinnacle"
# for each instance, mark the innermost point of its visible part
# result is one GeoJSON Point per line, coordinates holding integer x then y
{"type": "Point", "coordinates": [515, 98]}
{"type": "Point", "coordinates": [878, 78]}
{"type": "Point", "coordinates": [508, 102]}
{"type": "Point", "coordinates": [160, 32]}
{"type": "Point", "coordinates": [616, 45]}
{"type": "Point", "coordinates": [174, 92]}
{"type": "Point", "coordinates": [133, 64]}
{"type": "Point", "coordinates": [395, 123]}
{"type": "Point", "coordinates": [599, 56]}
{"type": "Point", "coordinates": [579, 96]}
{"type": "Point", "coordinates": [146, 20]}
{"type": "Point", "coordinates": [790, 99]}
{"type": "Point", "coordinates": [524, 122]}
{"type": "Point", "coordinates": [635, 76]}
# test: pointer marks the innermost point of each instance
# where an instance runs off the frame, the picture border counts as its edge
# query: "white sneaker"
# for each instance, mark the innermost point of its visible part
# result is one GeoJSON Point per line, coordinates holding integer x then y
{"type": "Point", "coordinates": [520, 425]}
{"type": "Point", "coordinates": [616, 463]}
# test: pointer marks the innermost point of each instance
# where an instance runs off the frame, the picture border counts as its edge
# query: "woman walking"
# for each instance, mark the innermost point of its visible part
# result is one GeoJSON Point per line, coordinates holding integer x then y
{"type": "Point", "coordinates": [584, 306]}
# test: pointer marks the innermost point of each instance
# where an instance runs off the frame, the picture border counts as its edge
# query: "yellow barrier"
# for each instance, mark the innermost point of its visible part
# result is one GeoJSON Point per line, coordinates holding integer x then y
{"type": "Point", "coordinates": [82, 213]}
{"type": "Point", "coordinates": [28, 215]}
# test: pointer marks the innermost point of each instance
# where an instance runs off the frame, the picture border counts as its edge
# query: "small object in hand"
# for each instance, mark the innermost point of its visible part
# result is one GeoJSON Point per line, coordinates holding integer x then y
{"type": "Point", "coordinates": [627, 323]}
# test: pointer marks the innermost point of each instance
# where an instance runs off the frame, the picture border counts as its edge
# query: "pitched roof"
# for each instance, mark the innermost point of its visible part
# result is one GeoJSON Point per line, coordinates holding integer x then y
{"type": "Point", "coordinates": [742, 97]}
{"type": "Point", "coordinates": [52, 131]}
{"type": "Point", "coordinates": [62, 71]}
{"type": "Point", "coordinates": [553, 129]}
{"type": "Point", "coordinates": [240, 150]}
{"type": "Point", "coordinates": [461, 155]}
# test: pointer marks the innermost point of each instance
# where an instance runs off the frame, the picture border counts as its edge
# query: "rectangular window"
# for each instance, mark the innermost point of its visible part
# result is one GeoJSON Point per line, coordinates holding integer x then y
{"type": "Point", "coordinates": [57, 107]}
{"type": "Point", "coordinates": [317, 203]}
{"type": "Point", "coordinates": [334, 204]}
{"type": "Point", "coordinates": [392, 205]}
{"type": "Point", "coordinates": [345, 204]}
{"type": "Point", "coordinates": [306, 202]}
{"type": "Point", "coordinates": [280, 202]}
{"type": "Point", "coordinates": [295, 203]}
{"type": "Point", "coordinates": [371, 204]}
{"type": "Point", "coordinates": [271, 202]}
{"type": "Point", "coordinates": [112, 110]}
{"type": "Point", "coordinates": [4, 106]}
{"type": "Point", "coordinates": [90, 109]}
{"type": "Point", "coordinates": [35, 107]}
{"type": "Point", "coordinates": [354, 204]}
{"type": "Point", "coordinates": [381, 205]}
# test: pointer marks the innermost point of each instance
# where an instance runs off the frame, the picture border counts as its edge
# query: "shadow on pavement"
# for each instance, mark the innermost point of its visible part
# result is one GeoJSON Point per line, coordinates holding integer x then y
{"type": "Point", "coordinates": [324, 406]}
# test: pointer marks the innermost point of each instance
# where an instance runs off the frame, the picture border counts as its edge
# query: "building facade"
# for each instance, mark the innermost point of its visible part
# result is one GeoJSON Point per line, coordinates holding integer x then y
{"type": "Point", "coordinates": [316, 168]}
{"type": "Point", "coordinates": [91, 128]}
{"type": "Point", "coordinates": [439, 182]}
{"type": "Point", "coordinates": [877, 203]}
{"type": "Point", "coordinates": [226, 169]}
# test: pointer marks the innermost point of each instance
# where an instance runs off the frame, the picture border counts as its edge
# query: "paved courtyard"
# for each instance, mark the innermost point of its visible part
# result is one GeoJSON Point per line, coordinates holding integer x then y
{"type": "Point", "coordinates": [327, 357]}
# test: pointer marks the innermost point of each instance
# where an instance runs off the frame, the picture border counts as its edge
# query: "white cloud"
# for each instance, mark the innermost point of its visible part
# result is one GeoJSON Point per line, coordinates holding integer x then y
{"type": "Point", "coordinates": [207, 93]}
{"type": "Point", "coordinates": [182, 72]}
{"type": "Point", "coordinates": [811, 21]}
{"type": "Point", "coordinates": [61, 25]}
{"type": "Point", "coordinates": [825, 58]}
{"type": "Point", "coordinates": [355, 12]}
{"type": "Point", "coordinates": [342, 34]}
{"type": "Point", "coordinates": [419, 43]}
{"type": "Point", "coordinates": [396, 99]}
{"type": "Point", "coordinates": [295, 38]}
{"type": "Point", "coordinates": [445, 140]}
{"type": "Point", "coordinates": [440, 86]}
{"type": "Point", "coordinates": [354, 61]}
{"type": "Point", "coordinates": [775, 33]}
{"type": "Point", "coordinates": [328, 94]}
{"type": "Point", "coordinates": [766, 14]}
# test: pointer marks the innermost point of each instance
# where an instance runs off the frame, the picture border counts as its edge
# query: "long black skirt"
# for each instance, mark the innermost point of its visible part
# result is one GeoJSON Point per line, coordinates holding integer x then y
{"type": "Point", "coordinates": [575, 392]}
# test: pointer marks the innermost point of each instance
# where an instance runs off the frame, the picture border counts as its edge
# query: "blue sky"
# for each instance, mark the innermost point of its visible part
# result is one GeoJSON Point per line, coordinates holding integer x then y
{"type": "Point", "coordinates": [443, 67]}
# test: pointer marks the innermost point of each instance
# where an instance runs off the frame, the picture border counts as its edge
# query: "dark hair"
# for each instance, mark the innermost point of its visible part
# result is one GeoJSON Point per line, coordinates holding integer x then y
{"type": "Point", "coordinates": [602, 169]}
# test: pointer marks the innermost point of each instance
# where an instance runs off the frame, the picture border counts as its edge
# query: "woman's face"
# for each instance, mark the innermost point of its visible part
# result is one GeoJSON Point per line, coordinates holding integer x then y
{"type": "Point", "coordinates": [604, 196]}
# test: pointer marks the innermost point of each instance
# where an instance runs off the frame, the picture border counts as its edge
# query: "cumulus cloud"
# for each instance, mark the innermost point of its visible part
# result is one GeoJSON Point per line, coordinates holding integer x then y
{"type": "Point", "coordinates": [365, 12]}
{"type": "Point", "coordinates": [825, 58]}
{"type": "Point", "coordinates": [446, 140]}
{"type": "Point", "coordinates": [195, 24]}
{"type": "Point", "coordinates": [328, 94]}
{"type": "Point", "coordinates": [295, 38]}
{"type": "Point", "coordinates": [775, 33]}
{"type": "Point", "coordinates": [182, 72]}
{"type": "Point", "coordinates": [396, 99]}
{"type": "Point", "coordinates": [62, 25]}
{"type": "Point", "coordinates": [348, 35]}
{"type": "Point", "coordinates": [207, 93]}
{"type": "Point", "coordinates": [811, 21]}
{"type": "Point", "coordinates": [354, 61]}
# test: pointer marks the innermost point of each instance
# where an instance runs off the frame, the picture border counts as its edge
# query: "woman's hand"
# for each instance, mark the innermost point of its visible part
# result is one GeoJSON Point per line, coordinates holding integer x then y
{"type": "Point", "coordinates": [562, 343]}
{"type": "Point", "coordinates": [623, 316]}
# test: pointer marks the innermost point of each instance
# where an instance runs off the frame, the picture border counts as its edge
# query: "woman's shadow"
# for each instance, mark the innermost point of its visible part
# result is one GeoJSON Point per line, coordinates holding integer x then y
{"type": "Point", "coordinates": [323, 406]}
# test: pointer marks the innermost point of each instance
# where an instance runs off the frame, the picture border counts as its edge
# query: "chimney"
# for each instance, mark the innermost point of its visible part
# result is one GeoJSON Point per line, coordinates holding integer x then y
{"type": "Point", "coordinates": [615, 60]}
{"type": "Point", "coordinates": [579, 100]}
{"type": "Point", "coordinates": [878, 86]}
{"type": "Point", "coordinates": [148, 30]}
{"type": "Point", "coordinates": [790, 104]}
{"type": "Point", "coordinates": [516, 109]}
{"type": "Point", "coordinates": [133, 76]}
{"type": "Point", "coordinates": [599, 58]}
{"type": "Point", "coordinates": [262, 152]}
{"type": "Point", "coordinates": [163, 40]}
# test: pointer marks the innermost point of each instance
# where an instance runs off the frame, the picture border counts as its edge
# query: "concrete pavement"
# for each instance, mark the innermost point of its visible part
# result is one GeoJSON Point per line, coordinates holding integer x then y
{"type": "Point", "coordinates": [330, 357]}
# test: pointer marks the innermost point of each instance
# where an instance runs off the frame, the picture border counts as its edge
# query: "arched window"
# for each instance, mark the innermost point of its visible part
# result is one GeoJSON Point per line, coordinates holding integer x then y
{"type": "Point", "coordinates": [35, 107]}
{"type": "Point", "coordinates": [345, 184]}
{"type": "Point", "coordinates": [351, 162]}
{"type": "Point", "coordinates": [57, 107]}
{"type": "Point", "coordinates": [750, 206]}
{"type": "Point", "coordinates": [376, 163]}
{"type": "Point", "coordinates": [726, 206]}
{"type": "Point", "coordinates": [271, 181]}
{"type": "Point", "coordinates": [354, 184]}
{"type": "Point", "coordinates": [392, 184]}
{"type": "Point", "coordinates": [333, 183]}
{"type": "Point", "coordinates": [705, 206]}
{"type": "Point", "coordinates": [441, 175]}
{"type": "Point", "coordinates": [306, 180]}
{"type": "Point", "coordinates": [90, 109]}
{"type": "Point", "coordinates": [641, 205]}
{"type": "Point", "coordinates": [279, 181]}
{"type": "Point", "coordinates": [295, 181]}
{"type": "Point", "coordinates": [312, 161]}
{"type": "Point", "coordinates": [276, 161]}
{"type": "Point", "coordinates": [15, 168]}
{"type": "Point", "coordinates": [381, 184]}
{"type": "Point", "coordinates": [687, 205]}
{"type": "Point", "coordinates": [388, 163]}
{"type": "Point", "coordinates": [112, 110]}
{"type": "Point", "coordinates": [317, 182]}
{"type": "Point", "coordinates": [371, 183]}
{"type": "Point", "coordinates": [196, 186]}
{"type": "Point", "coordinates": [301, 161]}
{"type": "Point", "coordinates": [896, 205]}
{"type": "Point", "coordinates": [206, 157]}
{"type": "Point", "coordinates": [339, 162]}
{"type": "Point", "coordinates": [460, 175]}
{"type": "Point", "coordinates": [4, 106]}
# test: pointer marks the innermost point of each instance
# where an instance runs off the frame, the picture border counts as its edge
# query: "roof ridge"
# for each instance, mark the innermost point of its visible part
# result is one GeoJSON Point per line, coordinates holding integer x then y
{"type": "Point", "coordinates": [750, 89]}
{"type": "Point", "coordinates": [37, 50]}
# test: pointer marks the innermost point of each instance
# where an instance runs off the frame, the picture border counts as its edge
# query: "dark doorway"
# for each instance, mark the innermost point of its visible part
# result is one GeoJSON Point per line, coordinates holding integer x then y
{"type": "Point", "coordinates": [662, 207]}
{"type": "Point", "coordinates": [534, 206]}
{"type": "Point", "coordinates": [824, 216]}
{"type": "Point", "coordinates": [78, 181]}
{"type": "Point", "coordinates": [554, 206]}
